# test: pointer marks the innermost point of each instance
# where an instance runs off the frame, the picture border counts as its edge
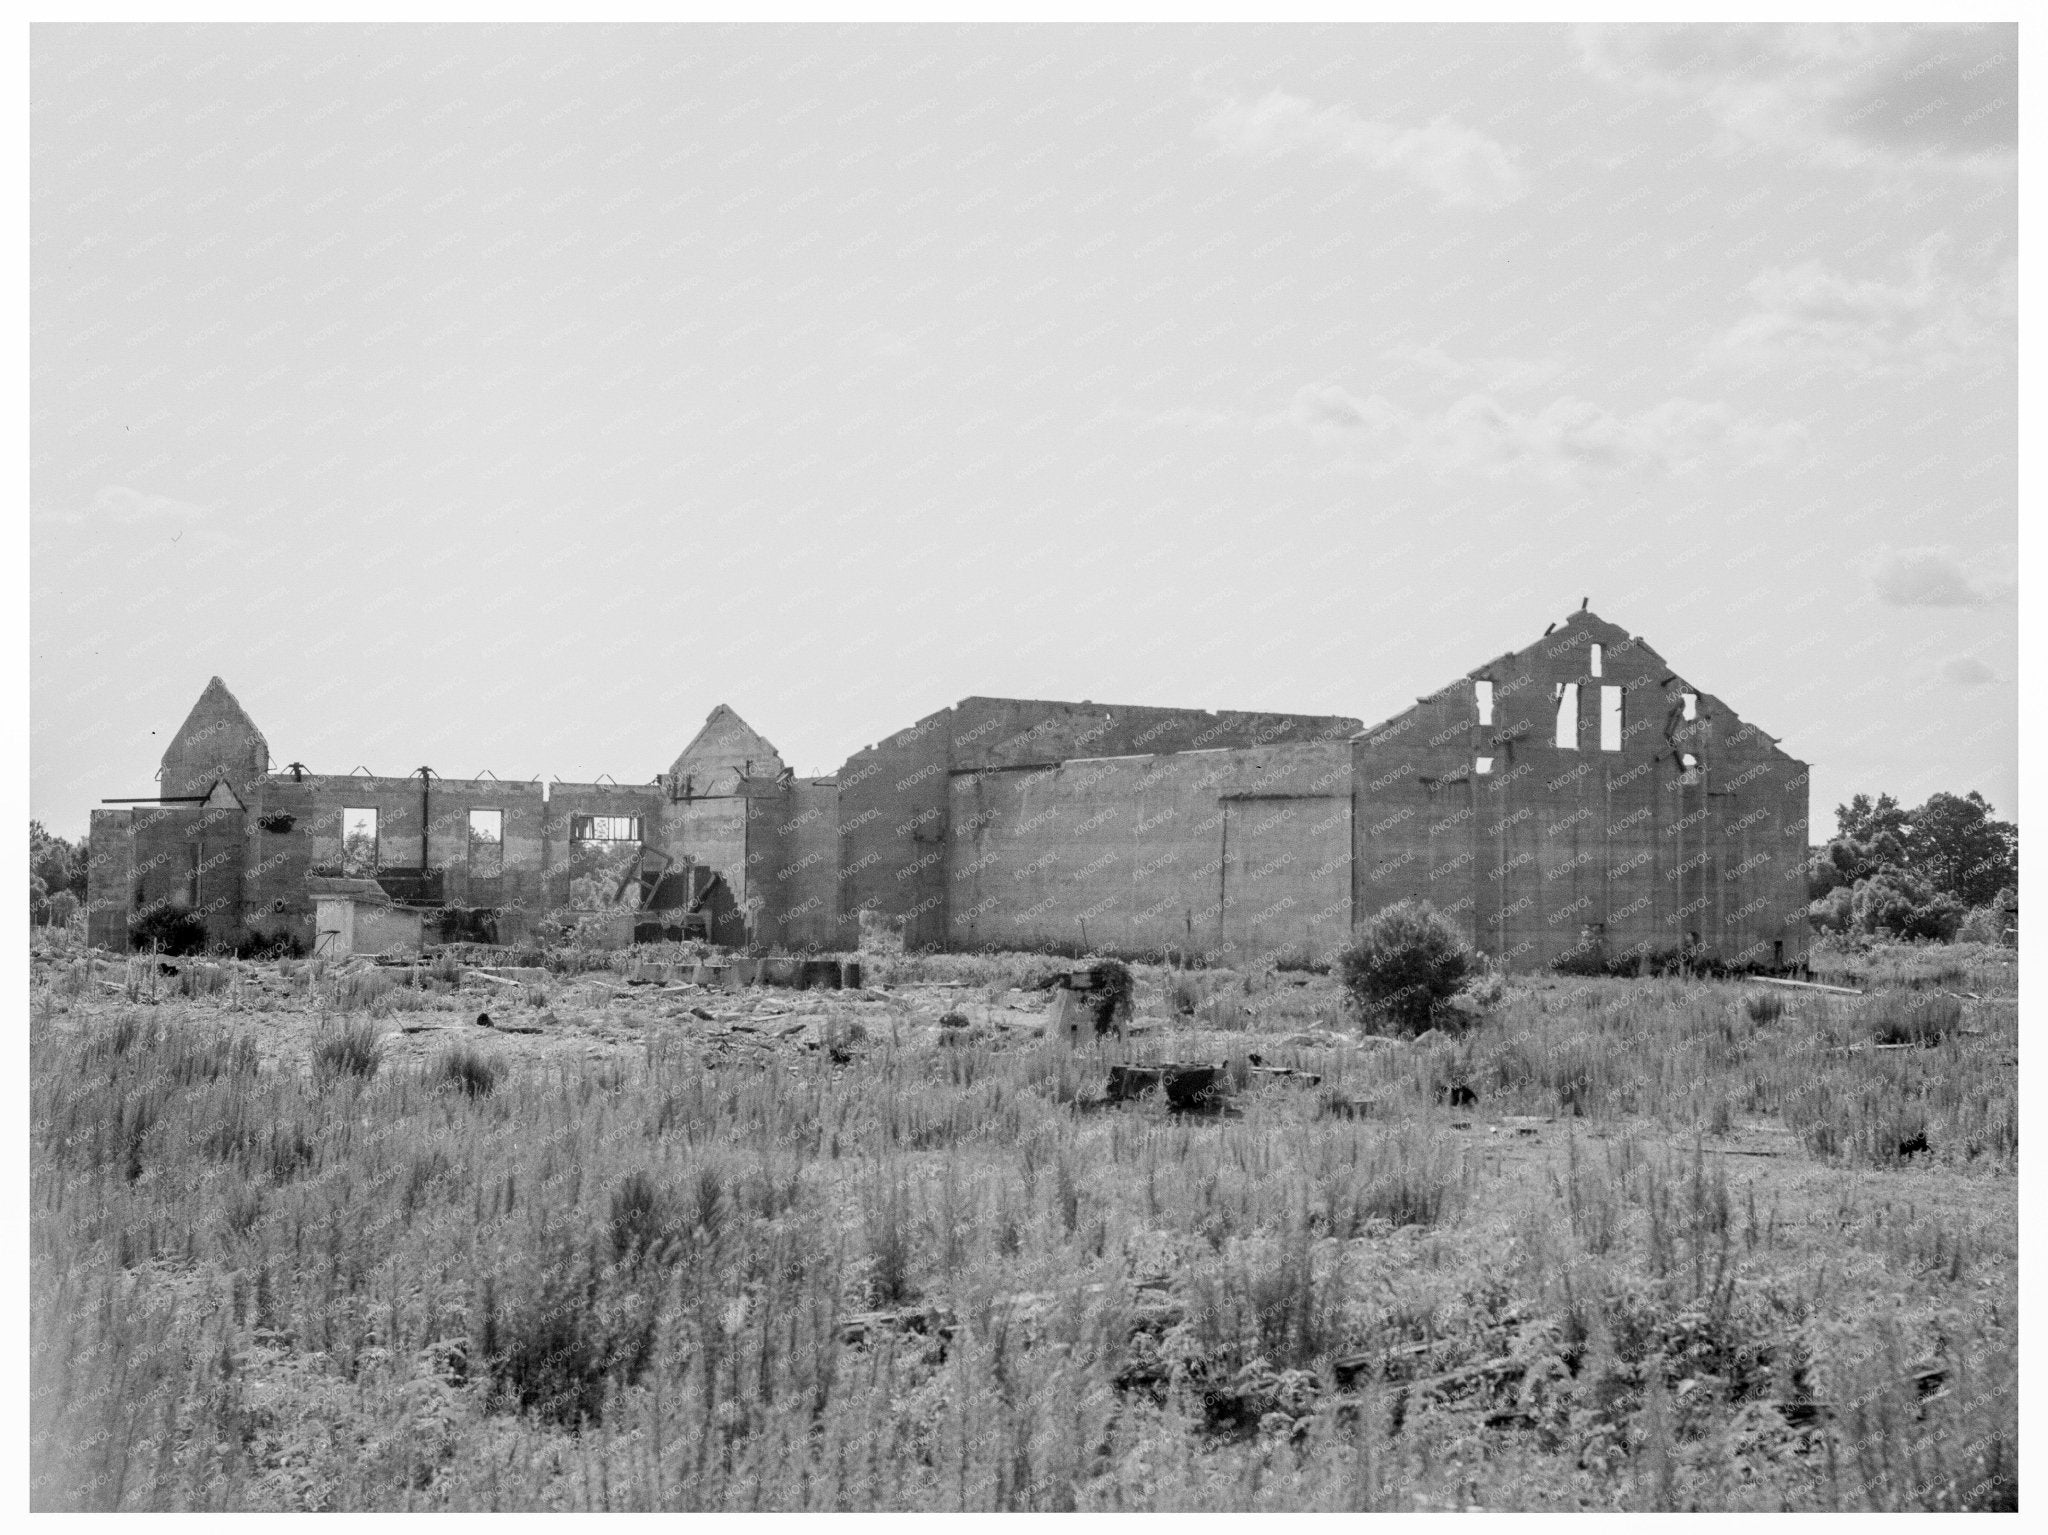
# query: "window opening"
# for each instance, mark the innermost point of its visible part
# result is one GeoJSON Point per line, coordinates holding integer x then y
{"type": "Point", "coordinates": [1568, 715]}
{"type": "Point", "coordinates": [1482, 695]}
{"type": "Point", "coordinates": [1610, 719]}
{"type": "Point", "coordinates": [1690, 702]}
{"type": "Point", "coordinates": [604, 828]}
{"type": "Point", "coordinates": [1483, 766]}
{"type": "Point", "coordinates": [1593, 660]}
{"type": "Point", "coordinates": [359, 843]}
{"type": "Point", "coordinates": [486, 844]}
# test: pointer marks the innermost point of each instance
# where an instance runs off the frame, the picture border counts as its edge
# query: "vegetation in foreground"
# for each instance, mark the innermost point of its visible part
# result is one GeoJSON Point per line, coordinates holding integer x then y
{"type": "Point", "coordinates": [1640, 1244]}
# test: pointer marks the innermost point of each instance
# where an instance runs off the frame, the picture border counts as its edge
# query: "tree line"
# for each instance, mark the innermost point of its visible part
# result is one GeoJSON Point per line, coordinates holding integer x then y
{"type": "Point", "coordinates": [1948, 869]}
{"type": "Point", "coordinates": [56, 877]}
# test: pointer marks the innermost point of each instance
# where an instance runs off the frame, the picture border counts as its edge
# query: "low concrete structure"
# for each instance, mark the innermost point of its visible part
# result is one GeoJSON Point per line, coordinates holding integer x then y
{"type": "Point", "coordinates": [1572, 797]}
{"type": "Point", "coordinates": [356, 916]}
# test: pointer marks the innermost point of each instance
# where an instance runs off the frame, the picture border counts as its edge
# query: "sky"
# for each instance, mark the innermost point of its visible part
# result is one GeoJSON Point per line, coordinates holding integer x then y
{"type": "Point", "coordinates": [508, 398]}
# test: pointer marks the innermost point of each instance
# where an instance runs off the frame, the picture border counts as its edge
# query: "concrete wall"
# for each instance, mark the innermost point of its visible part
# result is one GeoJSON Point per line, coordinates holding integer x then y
{"type": "Point", "coordinates": [186, 858]}
{"type": "Point", "coordinates": [317, 802]}
{"type": "Point", "coordinates": [1558, 846]}
{"type": "Point", "coordinates": [1230, 853]}
{"type": "Point", "coordinates": [726, 750]}
{"type": "Point", "coordinates": [895, 804]}
{"type": "Point", "coordinates": [797, 872]}
{"type": "Point", "coordinates": [109, 878]}
{"type": "Point", "coordinates": [567, 801]}
{"type": "Point", "coordinates": [217, 741]}
{"type": "Point", "coordinates": [1017, 821]}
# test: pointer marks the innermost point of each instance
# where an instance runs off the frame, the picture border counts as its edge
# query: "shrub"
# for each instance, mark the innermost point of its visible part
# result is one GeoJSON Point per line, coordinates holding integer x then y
{"type": "Point", "coordinates": [1982, 924]}
{"type": "Point", "coordinates": [169, 931]}
{"type": "Point", "coordinates": [1588, 959]}
{"type": "Point", "coordinates": [1404, 964]}
{"type": "Point", "coordinates": [1113, 1000]}
{"type": "Point", "coordinates": [1764, 1006]}
{"type": "Point", "coordinates": [1898, 905]}
{"type": "Point", "coordinates": [470, 1069]}
{"type": "Point", "coordinates": [642, 1219]}
{"type": "Point", "coordinates": [1906, 1019]}
{"type": "Point", "coordinates": [566, 1335]}
{"type": "Point", "coordinates": [1834, 912]}
{"type": "Point", "coordinates": [270, 946]}
{"type": "Point", "coordinates": [351, 1049]}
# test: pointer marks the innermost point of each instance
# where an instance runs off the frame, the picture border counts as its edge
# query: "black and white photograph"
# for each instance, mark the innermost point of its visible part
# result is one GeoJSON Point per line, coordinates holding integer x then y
{"type": "Point", "coordinates": [595, 946]}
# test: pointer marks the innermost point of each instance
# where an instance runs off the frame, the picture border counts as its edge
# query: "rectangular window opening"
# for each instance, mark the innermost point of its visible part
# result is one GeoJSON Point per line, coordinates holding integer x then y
{"type": "Point", "coordinates": [1593, 660]}
{"type": "Point", "coordinates": [1482, 695]}
{"type": "Point", "coordinates": [1610, 719]}
{"type": "Point", "coordinates": [1691, 704]}
{"type": "Point", "coordinates": [1482, 766]}
{"type": "Point", "coordinates": [604, 828]}
{"type": "Point", "coordinates": [1568, 715]}
{"type": "Point", "coordinates": [359, 843]}
{"type": "Point", "coordinates": [486, 844]}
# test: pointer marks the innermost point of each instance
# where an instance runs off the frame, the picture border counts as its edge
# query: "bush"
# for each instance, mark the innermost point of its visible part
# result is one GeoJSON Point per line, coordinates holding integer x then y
{"type": "Point", "coordinates": [1113, 1002]}
{"type": "Point", "coordinates": [1982, 924]}
{"type": "Point", "coordinates": [1897, 905]}
{"type": "Point", "coordinates": [566, 1335]}
{"type": "Point", "coordinates": [1404, 965]}
{"type": "Point", "coordinates": [168, 931]}
{"type": "Point", "coordinates": [270, 946]}
{"type": "Point", "coordinates": [352, 1049]}
{"type": "Point", "coordinates": [1834, 912]}
{"type": "Point", "coordinates": [1906, 1019]}
{"type": "Point", "coordinates": [1764, 1006]}
{"type": "Point", "coordinates": [470, 1069]}
{"type": "Point", "coordinates": [642, 1219]}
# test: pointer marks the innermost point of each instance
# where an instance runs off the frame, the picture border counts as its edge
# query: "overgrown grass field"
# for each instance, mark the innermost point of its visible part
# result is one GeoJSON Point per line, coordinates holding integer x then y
{"type": "Point", "coordinates": [1627, 1244]}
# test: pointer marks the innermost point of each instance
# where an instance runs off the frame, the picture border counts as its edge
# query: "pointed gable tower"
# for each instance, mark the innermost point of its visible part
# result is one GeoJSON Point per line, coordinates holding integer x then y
{"type": "Point", "coordinates": [217, 742]}
{"type": "Point", "coordinates": [726, 753]}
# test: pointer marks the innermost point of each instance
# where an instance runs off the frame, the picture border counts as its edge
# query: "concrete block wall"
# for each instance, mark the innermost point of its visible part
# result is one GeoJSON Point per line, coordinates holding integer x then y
{"type": "Point", "coordinates": [1016, 821]}
{"type": "Point", "coordinates": [1537, 848]}
{"type": "Point", "coordinates": [218, 740]}
{"type": "Point", "coordinates": [798, 876]}
{"type": "Point", "coordinates": [895, 804]}
{"type": "Point", "coordinates": [567, 801]}
{"type": "Point", "coordinates": [1229, 853]}
{"type": "Point", "coordinates": [188, 858]}
{"type": "Point", "coordinates": [109, 878]}
{"type": "Point", "coordinates": [318, 802]}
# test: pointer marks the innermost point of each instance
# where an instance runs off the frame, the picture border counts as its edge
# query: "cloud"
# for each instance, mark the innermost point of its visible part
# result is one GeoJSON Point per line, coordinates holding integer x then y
{"type": "Point", "coordinates": [1567, 439]}
{"type": "Point", "coordinates": [1928, 578]}
{"type": "Point", "coordinates": [1852, 94]}
{"type": "Point", "coordinates": [1809, 315]}
{"type": "Point", "coordinates": [1462, 167]}
{"type": "Point", "coordinates": [1967, 672]}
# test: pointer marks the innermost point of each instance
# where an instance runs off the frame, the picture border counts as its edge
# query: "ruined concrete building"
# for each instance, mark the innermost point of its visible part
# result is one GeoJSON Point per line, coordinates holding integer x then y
{"type": "Point", "coordinates": [1572, 795]}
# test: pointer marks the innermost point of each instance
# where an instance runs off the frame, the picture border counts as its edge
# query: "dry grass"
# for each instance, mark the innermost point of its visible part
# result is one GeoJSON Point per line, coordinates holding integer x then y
{"type": "Point", "coordinates": [473, 1279]}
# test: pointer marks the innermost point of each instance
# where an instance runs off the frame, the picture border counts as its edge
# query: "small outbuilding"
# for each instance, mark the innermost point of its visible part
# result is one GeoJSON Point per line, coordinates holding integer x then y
{"type": "Point", "coordinates": [355, 916]}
